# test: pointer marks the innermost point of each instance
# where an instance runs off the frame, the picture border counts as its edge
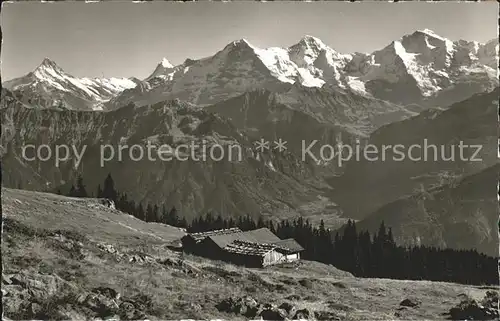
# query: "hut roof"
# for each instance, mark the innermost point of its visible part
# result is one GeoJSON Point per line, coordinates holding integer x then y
{"type": "Point", "coordinates": [289, 245]}
{"type": "Point", "coordinates": [259, 236]}
{"type": "Point", "coordinates": [254, 248]}
{"type": "Point", "coordinates": [202, 235]}
{"type": "Point", "coordinates": [249, 248]}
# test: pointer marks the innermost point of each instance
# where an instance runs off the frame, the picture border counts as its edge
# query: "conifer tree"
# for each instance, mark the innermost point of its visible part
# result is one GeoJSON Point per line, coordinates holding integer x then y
{"type": "Point", "coordinates": [140, 212]}
{"type": "Point", "coordinates": [183, 223]}
{"type": "Point", "coordinates": [164, 214]}
{"type": "Point", "coordinates": [150, 215]}
{"type": "Point", "coordinates": [260, 222]}
{"type": "Point", "coordinates": [72, 191]}
{"type": "Point", "coordinates": [271, 227]}
{"type": "Point", "coordinates": [80, 187]}
{"type": "Point", "coordinates": [157, 214]}
{"type": "Point", "coordinates": [109, 190]}
{"type": "Point", "coordinates": [99, 191]}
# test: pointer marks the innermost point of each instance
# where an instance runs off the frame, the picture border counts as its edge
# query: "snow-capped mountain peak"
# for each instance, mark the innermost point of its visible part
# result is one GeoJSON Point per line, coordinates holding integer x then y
{"type": "Point", "coordinates": [162, 69]}
{"type": "Point", "coordinates": [313, 43]}
{"type": "Point", "coordinates": [241, 43]}
{"type": "Point", "coordinates": [306, 52]}
{"type": "Point", "coordinates": [488, 54]}
{"type": "Point", "coordinates": [425, 41]}
{"type": "Point", "coordinates": [430, 33]}
{"type": "Point", "coordinates": [48, 63]}
{"type": "Point", "coordinates": [166, 64]}
{"type": "Point", "coordinates": [427, 64]}
{"type": "Point", "coordinates": [49, 85]}
{"type": "Point", "coordinates": [48, 68]}
{"type": "Point", "coordinates": [238, 45]}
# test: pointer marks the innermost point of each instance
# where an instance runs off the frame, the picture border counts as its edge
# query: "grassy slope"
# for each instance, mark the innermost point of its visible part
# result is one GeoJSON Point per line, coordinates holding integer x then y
{"type": "Point", "coordinates": [86, 216]}
{"type": "Point", "coordinates": [30, 248]}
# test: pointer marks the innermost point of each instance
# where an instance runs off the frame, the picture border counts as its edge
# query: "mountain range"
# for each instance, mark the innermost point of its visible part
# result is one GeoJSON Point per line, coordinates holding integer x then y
{"type": "Point", "coordinates": [421, 69]}
{"type": "Point", "coordinates": [419, 86]}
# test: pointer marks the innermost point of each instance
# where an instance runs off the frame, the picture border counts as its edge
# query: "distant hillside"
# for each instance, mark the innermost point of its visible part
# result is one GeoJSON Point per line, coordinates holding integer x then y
{"type": "Point", "coordinates": [459, 215]}
{"type": "Point", "coordinates": [258, 183]}
{"type": "Point", "coordinates": [367, 185]}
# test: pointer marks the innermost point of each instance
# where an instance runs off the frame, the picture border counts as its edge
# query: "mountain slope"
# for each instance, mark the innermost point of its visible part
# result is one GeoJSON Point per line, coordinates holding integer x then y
{"type": "Point", "coordinates": [356, 114]}
{"type": "Point", "coordinates": [459, 215]}
{"type": "Point", "coordinates": [380, 181]}
{"type": "Point", "coordinates": [303, 115]}
{"type": "Point", "coordinates": [71, 258]}
{"type": "Point", "coordinates": [255, 184]}
{"type": "Point", "coordinates": [85, 215]}
{"type": "Point", "coordinates": [49, 86]}
{"type": "Point", "coordinates": [262, 114]}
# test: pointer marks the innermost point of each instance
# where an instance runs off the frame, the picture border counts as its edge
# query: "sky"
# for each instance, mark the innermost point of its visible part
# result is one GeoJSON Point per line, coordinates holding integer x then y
{"type": "Point", "coordinates": [124, 39]}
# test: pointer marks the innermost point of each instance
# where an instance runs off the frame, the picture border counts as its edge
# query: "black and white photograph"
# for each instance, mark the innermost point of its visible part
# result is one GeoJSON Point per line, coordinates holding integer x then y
{"type": "Point", "coordinates": [250, 160]}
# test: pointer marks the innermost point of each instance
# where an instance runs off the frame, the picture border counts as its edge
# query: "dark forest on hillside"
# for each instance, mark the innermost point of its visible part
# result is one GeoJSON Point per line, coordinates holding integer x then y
{"type": "Point", "coordinates": [358, 252]}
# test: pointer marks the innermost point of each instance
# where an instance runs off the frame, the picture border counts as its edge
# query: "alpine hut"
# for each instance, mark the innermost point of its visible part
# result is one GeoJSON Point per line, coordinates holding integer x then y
{"type": "Point", "coordinates": [255, 248]}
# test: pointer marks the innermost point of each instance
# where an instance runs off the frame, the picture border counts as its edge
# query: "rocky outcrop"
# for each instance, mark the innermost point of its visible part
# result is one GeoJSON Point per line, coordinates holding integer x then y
{"type": "Point", "coordinates": [470, 309]}
{"type": "Point", "coordinates": [412, 303]}
{"type": "Point", "coordinates": [246, 306]}
{"type": "Point", "coordinates": [40, 296]}
{"type": "Point", "coordinates": [249, 307]}
{"type": "Point", "coordinates": [182, 266]}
